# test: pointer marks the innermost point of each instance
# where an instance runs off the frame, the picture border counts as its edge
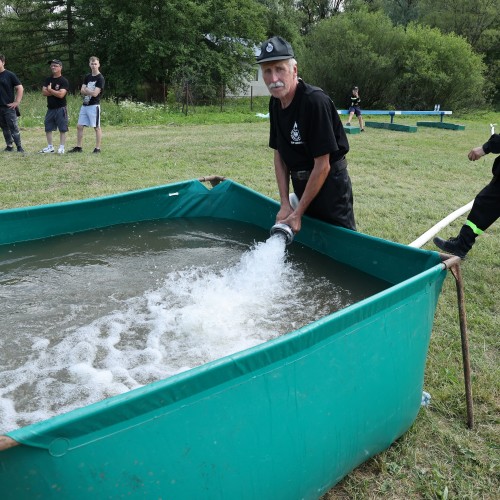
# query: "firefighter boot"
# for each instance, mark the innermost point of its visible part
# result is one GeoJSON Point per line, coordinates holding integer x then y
{"type": "Point", "coordinates": [458, 246]}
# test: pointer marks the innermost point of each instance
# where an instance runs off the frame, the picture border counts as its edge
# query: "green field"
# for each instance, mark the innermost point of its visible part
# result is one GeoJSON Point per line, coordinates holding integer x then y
{"type": "Point", "coordinates": [403, 184]}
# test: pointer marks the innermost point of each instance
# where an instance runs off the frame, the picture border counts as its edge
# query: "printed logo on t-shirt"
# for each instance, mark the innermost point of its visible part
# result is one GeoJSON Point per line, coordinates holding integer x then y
{"type": "Point", "coordinates": [91, 87]}
{"type": "Point", "coordinates": [295, 135]}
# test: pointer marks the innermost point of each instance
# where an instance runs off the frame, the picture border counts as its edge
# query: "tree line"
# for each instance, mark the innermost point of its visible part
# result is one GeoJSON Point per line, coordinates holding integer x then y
{"type": "Point", "coordinates": [402, 53]}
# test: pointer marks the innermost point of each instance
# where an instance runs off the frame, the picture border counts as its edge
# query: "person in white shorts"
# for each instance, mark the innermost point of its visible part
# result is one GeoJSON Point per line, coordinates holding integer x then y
{"type": "Point", "coordinates": [90, 112]}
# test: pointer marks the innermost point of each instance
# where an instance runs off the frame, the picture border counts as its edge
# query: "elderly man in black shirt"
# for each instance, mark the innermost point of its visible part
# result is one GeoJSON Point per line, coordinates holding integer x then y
{"type": "Point", "coordinates": [309, 142]}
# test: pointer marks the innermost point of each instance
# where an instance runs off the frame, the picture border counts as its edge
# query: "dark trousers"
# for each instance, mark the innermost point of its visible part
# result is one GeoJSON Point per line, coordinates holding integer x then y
{"type": "Point", "coordinates": [486, 207]}
{"type": "Point", "coordinates": [334, 202]}
{"type": "Point", "coordinates": [10, 128]}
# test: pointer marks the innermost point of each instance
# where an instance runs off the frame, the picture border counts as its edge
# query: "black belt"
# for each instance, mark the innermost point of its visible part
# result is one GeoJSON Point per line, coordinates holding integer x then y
{"type": "Point", "coordinates": [303, 175]}
{"type": "Point", "coordinates": [300, 175]}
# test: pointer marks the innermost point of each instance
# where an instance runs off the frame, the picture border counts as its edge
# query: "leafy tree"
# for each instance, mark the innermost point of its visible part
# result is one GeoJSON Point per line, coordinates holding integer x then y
{"type": "Point", "coordinates": [166, 42]}
{"type": "Point", "coordinates": [137, 42]}
{"type": "Point", "coordinates": [478, 21]}
{"type": "Point", "coordinates": [467, 18]}
{"type": "Point", "coordinates": [34, 31]}
{"type": "Point", "coordinates": [364, 5]}
{"type": "Point", "coordinates": [436, 68]}
{"type": "Point", "coordinates": [283, 19]}
{"type": "Point", "coordinates": [143, 46]}
{"type": "Point", "coordinates": [354, 48]}
{"type": "Point", "coordinates": [412, 68]}
{"type": "Point", "coordinates": [314, 11]}
{"type": "Point", "coordinates": [401, 11]}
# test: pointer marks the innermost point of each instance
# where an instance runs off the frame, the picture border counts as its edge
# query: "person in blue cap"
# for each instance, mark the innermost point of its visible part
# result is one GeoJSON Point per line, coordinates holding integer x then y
{"type": "Point", "coordinates": [309, 143]}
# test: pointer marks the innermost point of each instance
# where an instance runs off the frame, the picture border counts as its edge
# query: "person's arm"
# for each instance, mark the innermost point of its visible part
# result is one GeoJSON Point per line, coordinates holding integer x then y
{"type": "Point", "coordinates": [315, 182]}
{"type": "Point", "coordinates": [19, 96]}
{"type": "Point", "coordinates": [59, 93]}
{"type": "Point", "coordinates": [92, 93]}
{"type": "Point", "coordinates": [283, 181]}
{"type": "Point", "coordinates": [48, 90]}
{"type": "Point", "coordinates": [492, 146]}
{"type": "Point", "coordinates": [476, 153]}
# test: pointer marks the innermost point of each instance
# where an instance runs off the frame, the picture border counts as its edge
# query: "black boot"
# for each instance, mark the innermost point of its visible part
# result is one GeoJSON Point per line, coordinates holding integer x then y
{"type": "Point", "coordinates": [458, 246]}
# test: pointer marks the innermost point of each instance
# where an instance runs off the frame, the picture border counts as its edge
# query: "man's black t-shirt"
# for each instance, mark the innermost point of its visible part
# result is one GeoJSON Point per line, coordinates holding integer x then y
{"type": "Point", "coordinates": [8, 81]}
{"type": "Point", "coordinates": [92, 82]}
{"type": "Point", "coordinates": [308, 128]}
{"type": "Point", "coordinates": [58, 83]}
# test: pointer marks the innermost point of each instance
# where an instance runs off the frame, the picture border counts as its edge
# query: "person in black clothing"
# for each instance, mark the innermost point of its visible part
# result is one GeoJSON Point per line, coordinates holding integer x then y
{"type": "Point", "coordinates": [11, 93]}
{"type": "Point", "coordinates": [485, 209]}
{"type": "Point", "coordinates": [355, 109]}
{"type": "Point", "coordinates": [55, 89]}
{"type": "Point", "coordinates": [309, 143]}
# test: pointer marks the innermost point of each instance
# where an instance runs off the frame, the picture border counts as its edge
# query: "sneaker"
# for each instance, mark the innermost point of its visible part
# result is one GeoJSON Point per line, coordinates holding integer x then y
{"type": "Point", "coordinates": [60, 151]}
{"type": "Point", "coordinates": [348, 124]}
{"type": "Point", "coordinates": [8, 149]}
{"type": "Point", "coordinates": [452, 245]}
{"type": "Point", "coordinates": [20, 149]}
{"type": "Point", "coordinates": [48, 149]}
{"type": "Point", "coordinates": [96, 150]}
{"type": "Point", "coordinates": [76, 149]}
{"type": "Point", "coordinates": [362, 130]}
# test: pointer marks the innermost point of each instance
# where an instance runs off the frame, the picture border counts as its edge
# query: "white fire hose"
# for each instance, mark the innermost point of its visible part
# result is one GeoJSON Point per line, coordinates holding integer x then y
{"type": "Point", "coordinates": [421, 240]}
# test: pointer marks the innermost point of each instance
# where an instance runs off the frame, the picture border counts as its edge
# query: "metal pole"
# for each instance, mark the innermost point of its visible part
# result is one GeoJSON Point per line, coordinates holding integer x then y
{"type": "Point", "coordinates": [453, 264]}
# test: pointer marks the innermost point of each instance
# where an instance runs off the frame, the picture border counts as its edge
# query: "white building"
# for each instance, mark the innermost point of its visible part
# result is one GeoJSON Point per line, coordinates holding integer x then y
{"type": "Point", "coordinates": [257, 87]}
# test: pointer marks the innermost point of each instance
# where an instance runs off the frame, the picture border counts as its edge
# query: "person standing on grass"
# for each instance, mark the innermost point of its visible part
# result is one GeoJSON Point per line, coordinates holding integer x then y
{"type": "Point", "coordinates": [485, 209]}
{"type": "Point", "coordinates": [11, 93]}
{"type": "Point", "coordinates": [90, 112]}
{"type": "Point", "coordinates": [355, 109]}
{"type": "Point", "coordinates": [309, 143]}
{"type": "Point", "coordinates": [55, 88]}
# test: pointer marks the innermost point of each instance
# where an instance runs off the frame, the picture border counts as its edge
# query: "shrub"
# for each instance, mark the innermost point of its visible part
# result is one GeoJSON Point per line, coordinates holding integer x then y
{"type": "Point", "coordinates": [412, 68]}
{"type": "Point", "coordinates": [439, 68]}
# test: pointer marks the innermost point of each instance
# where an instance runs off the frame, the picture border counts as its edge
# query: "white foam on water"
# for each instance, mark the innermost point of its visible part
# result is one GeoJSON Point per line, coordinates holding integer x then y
{"type": "Point", "coordinates": [194, 316]}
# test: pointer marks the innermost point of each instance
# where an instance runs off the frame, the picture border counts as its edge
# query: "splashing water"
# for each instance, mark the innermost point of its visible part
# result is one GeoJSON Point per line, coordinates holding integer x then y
{"type": "Point", "coordinates": [194, 315]}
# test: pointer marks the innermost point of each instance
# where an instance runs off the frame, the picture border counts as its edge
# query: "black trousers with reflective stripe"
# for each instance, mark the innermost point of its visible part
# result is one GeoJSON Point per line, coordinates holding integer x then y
{"type": "Point", "coordinates": [486, 207]}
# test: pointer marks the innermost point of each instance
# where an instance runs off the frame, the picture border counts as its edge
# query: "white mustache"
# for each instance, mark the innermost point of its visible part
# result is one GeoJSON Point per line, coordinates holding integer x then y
{"type": "Point", "coordinates": [276, 85]}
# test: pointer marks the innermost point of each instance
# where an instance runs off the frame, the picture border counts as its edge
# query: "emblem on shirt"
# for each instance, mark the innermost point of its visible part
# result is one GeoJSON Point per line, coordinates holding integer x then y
{"type": "Point", "coordinates": [90, 86]}
{"type": "Point", "coordinates": [295, 134]}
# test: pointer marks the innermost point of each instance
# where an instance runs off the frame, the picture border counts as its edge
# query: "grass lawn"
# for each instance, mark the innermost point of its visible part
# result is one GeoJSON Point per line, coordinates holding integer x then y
{"type": "Point", "coordinates": [403, 184]}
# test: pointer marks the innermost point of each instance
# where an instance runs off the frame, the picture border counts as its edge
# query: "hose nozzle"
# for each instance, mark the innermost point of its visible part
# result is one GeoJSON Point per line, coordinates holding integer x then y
{"type": "Point", "coordinates": [283, 230]}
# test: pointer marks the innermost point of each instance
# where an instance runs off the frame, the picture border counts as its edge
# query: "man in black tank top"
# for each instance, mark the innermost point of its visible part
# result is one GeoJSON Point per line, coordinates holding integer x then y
{"type": "Point", "coordinates": [309, 143]}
